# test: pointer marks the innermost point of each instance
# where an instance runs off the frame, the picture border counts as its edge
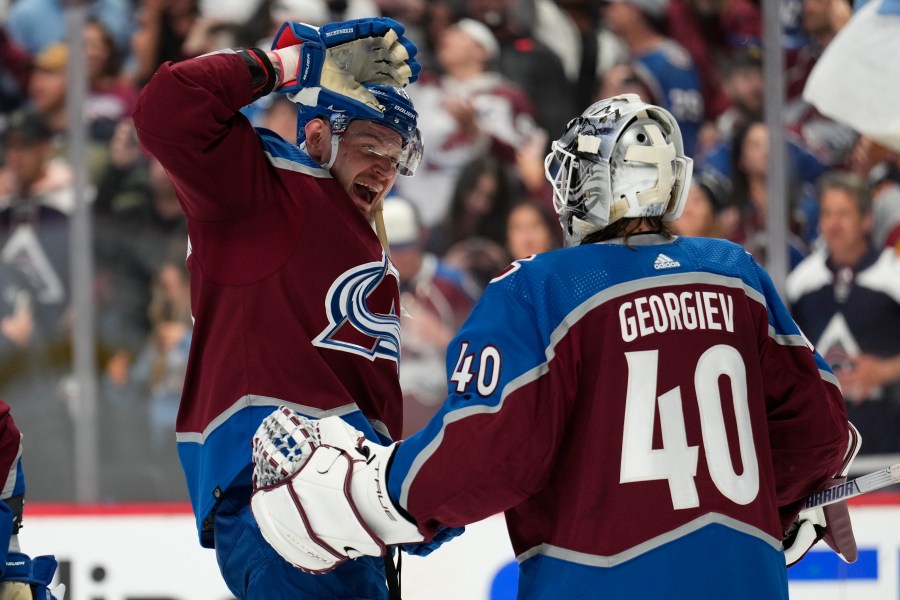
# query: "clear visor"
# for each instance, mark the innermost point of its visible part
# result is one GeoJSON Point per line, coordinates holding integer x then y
{"type": "Point", "coordinates": [411, 155]}
{"type": "Point", "coordinates": [404, 158]}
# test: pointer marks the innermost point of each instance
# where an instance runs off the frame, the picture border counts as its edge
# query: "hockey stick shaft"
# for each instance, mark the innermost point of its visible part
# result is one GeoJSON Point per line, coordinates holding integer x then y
{"type": "Point", "coordinates": [854, 487]}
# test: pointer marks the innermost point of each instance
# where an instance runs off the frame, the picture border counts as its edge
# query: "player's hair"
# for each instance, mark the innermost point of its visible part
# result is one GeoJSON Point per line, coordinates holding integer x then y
{"type": "Point", "coordinates": [625, 228]}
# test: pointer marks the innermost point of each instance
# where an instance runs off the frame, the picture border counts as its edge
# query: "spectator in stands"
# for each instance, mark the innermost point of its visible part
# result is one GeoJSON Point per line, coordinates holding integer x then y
{"type": "Point", "coordinates": [531, 229]}
{"type": "Point", "coordinates": [34, 232]}
{"type": "Point", "coordinates": [846, 299]}
{"type": "Point", "coordinates": [111, 96]}
{"type": "Point", "coordinates": [481, 198]}
{"type": "Point", "coordinates": [47, 86]}
{"type": "Point", "coordinates": [16, 321]}
{"type": "Point", "coordinates": [48, 92]}
{"type": "Point", "coordinates": [700, 217]}
{"type": "Point", "coordinates": [436, 299]}
{"type": "Point", "coordinates": [412, 13]}
{"type": "Point", "coordinates": [820, 21]}
{"type": "Point", "coordinates": [36, 24]}
{"type": "Point", "coordinates": [744, 86]}
{"type": "Point", "coordinates": [139, 226]}
{"type": "Point", "coordinates": [34, 241]}
{"type": "Point", "coordinates": [665, 67]}
{"type": "Point", "coordinates": [750, 196]}
{"type": "Point", "coordinates": [466, 112]}
{"type": "Point", "coordinates": [162, 28]}
{"type": "Point", "coordinates": [880, 167]}
{"type": "Point", "coordinates": [574, 30]}
{"type": "Point", "coordinates": [525, 60]}
{"type": "Point", "coordinates": [622, 79]}
{"type": "Point", "coordinates": [698, 26]}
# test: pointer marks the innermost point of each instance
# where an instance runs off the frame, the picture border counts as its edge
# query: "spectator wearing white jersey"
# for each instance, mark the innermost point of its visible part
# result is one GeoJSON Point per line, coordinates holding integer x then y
{"type": "Point", "coordinates": [466, 111]}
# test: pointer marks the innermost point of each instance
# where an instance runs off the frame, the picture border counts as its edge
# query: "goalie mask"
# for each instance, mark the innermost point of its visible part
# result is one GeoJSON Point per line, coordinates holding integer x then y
{"type": "Point", "coordinates": [622, 158]}
{"type": "Point", "coordinates": [399, 115]}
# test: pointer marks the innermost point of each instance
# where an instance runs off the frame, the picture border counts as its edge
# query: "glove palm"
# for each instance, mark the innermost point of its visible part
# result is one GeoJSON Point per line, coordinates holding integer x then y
{"type": "Point", "coordinates": [331, 64]}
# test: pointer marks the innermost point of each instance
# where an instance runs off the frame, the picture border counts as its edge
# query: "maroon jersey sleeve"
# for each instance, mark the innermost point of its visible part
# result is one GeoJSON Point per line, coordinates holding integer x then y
{"type": "Point", "coordinates": [807, 419]}
{"type": "Point", "coordinates": [188, 117]}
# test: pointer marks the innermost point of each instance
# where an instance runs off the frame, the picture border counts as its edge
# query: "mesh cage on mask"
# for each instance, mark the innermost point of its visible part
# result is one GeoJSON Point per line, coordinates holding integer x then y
{"type": "Point", "coordinates": [622, 158]}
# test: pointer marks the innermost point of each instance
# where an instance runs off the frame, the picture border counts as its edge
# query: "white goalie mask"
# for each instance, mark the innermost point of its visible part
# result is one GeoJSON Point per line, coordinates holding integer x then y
{"type": "Point", "coordinates": [622, 158]}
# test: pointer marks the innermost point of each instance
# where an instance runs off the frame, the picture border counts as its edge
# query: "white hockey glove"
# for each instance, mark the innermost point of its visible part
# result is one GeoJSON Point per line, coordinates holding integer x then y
{"type": "Point", "coordinates": [320, 495]}
{"type": "Point", "coordinates": [830, 523]}
{"type": "Point", "coordinates": [328, 65]}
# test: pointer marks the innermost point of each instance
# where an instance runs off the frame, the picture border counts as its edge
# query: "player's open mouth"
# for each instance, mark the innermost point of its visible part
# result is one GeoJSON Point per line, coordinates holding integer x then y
{"type": "Point", "coordinates": [366, 192]}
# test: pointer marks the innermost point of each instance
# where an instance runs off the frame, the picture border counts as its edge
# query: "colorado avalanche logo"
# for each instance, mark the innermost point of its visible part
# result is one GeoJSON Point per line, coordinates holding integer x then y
{"type": "Point", "coordinates": [353, 326]}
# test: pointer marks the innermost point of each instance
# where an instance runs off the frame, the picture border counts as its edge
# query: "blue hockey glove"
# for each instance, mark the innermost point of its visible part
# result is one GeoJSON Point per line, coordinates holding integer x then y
{"type": "Point", "coordinates": [329, 65]}
{"type": "Point", "coordinates": [444, 534]}
{"type": "Point", "coordinates": [27, 578]}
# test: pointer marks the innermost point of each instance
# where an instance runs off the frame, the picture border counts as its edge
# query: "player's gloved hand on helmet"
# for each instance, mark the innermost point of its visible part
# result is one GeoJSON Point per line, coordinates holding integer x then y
{"type": "Point", "coordinates": [26, 578]}
{"type": "Point", "coordinates": [330, 64]}
{"type": "Point", "coordinates": [320, 495]}
{"type": "Point", "coordinates": [443, 535]}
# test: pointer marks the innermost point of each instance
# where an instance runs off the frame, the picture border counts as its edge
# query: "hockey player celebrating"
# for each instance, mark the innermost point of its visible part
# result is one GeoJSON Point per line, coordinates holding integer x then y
{"type": "Point", "coordinates": [640, 405]}
{"type": "Point", "coordinates": [294, 299]}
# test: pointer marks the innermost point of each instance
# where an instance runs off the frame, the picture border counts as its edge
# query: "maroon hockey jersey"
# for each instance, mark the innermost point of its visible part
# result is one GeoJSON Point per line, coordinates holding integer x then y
{"type": "Point", "coordinates": [294, 300]}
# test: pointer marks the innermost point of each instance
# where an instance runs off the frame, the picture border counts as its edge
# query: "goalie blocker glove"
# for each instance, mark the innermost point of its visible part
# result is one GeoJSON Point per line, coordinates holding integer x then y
{"type": "Point", "coordinates": [334, 505]}
{"type": "Point", "coordinates": [330, 64]}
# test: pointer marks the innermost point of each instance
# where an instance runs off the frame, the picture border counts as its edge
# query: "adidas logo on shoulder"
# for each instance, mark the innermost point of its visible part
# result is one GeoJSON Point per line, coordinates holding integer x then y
{"type": "Point", "coordinates": [664, 262]}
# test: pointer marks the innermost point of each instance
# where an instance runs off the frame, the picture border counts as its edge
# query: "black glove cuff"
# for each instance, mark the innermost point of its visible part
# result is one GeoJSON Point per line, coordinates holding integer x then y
{"type": "Point", "coordinates": [17, 505]}
{"type": "Point", "coordinates": [261, 70]}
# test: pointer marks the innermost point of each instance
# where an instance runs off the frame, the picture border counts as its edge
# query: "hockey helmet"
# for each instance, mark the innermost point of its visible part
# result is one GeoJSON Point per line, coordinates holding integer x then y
{"type": "Point", "coordinates": [399, 115]}
{"type": "Point", "coordinates": [621, 158]}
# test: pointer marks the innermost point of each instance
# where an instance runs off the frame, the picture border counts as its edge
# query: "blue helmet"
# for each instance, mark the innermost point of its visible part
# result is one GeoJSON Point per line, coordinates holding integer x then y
{"type": "Point", "coordinates": [399, 115]}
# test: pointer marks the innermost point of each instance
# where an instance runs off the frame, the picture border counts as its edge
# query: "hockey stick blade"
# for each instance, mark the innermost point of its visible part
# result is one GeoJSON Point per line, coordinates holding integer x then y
{"type": "Point", "coordinates": [854, 487]}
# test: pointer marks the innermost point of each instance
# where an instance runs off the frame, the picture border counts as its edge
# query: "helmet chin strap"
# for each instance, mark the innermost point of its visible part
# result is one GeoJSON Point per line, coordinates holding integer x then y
{"type": "Point", "coordinates": [335, 140]}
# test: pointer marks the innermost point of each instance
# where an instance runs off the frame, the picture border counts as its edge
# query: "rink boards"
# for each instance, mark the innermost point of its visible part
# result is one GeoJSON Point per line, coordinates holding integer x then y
{"type": "Point", "coordinates": [150, 552]}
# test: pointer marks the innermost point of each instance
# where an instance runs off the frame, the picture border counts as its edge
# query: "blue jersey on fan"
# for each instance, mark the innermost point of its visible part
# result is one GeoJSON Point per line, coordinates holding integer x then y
{"type": "Point", "coordinates": [640, 407]}
{"type": "Point", "coordinates": [669, 72]}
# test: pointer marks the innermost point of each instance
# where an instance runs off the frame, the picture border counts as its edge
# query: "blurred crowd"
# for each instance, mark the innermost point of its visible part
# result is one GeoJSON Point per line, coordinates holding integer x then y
{"type": "Point", "coordinates": [499, 79]}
